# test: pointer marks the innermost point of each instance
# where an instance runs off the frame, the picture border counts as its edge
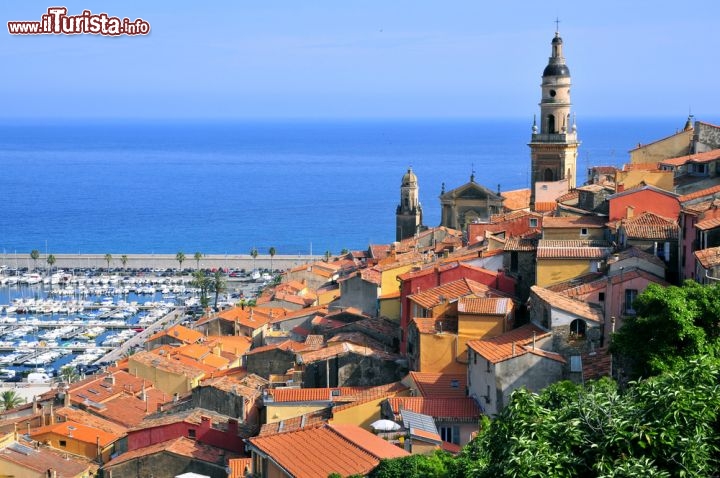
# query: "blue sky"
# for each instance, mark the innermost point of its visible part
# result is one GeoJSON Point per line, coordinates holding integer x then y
{"type": "Point", "coordinates": [228, 59]}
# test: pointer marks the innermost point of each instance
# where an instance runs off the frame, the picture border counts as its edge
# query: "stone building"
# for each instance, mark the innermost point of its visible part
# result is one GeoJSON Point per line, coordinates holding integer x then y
{"type": "Point", "coordinates": [553, 149]}
{"type": "Point", "coordinates": [468, 203]}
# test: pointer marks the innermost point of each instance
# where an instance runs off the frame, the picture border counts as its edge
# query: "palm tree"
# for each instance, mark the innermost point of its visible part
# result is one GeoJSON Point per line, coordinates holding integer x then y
{"type": "Point", "coordinates": [254, 254]}
{"type": "Point", "coordinates": [218, 285]}
{"type": "Point", "coordinates": [9, 399]}
{"type": "Point", "coordinates": [69, 374]}
{"type": "Point", "coordinates": [108, 258]}
{"type": "Point", "coordinates": [124, 260]}
{"type": "Point", "coordinates": [271, 251]}
{"type": "Point", "coordinates": [180, 257]}
{"type": "Point", "coordinates": [198, 256]}
{"type": "Point", "coordinates": [344, 252]}
{"type": "Point", "coordinates": [51, 261]}
{"type": "Point", "coordinates": [35, 255]}
{"type": "Point", "coordinates": [328, 254]}
{"type": "Point", "coordinates": [202, 283]}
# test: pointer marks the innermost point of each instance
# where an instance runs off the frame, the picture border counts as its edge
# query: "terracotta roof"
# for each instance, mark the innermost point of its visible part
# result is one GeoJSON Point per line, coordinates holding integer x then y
{"type": "Point", "coordinates": [371, 275]}
{"type": "Point", "coordinates": [708, 258]}
{"type": "Point", "coordinates": [640, 167]}
{"type": "Point", "coordinates": [100, 388]}
{"type": "Point", "coordinates": [440, 385]}
{"type": "Point", "coordinates": [250, 317]}
{"type": "Point", "coordinates": [379, 325]}
{"type": "Point", "coordinates": [435, 325]}
{"type": "Point", "coordinates": [485, 306]}
{"type": "Point", "coordinates": [571, 195]}
{"type": "Point", "coordinates": [304, 453]}
{"type": "Point", "coordinates": [705, 157]}
{"type": "Point", "coordinates": [179, 333]}
{"type": "Point", "coordinates": [597, 364]}
{"type": "Point", "coordinates": [287, 345]}
{"type": "Point", "coordinates": [76, 431]}
{"type": "Point", "coordinates": [314, 341]}
{"type": "Point", "coordinates": [192, 416]}
{"type": "Point", "coordinates": [42, 459]}
{"type": "Point", "coordinates": [249, 387]}
{"type": "Point", "coordinates": [343, 348]}
{"type": "Point", "coordinates": [579, 281]}
{"type": "Point", "coordinates": [554, 249]}
{"type": "Point", "coordinates": [178, 446]}
{"type": "Point", "coordinates": [499, 219]}
{"type": "Point", "coordinates": [449, 291]}
{"type": "Point", "coordinates": [707, 224]}
{"type": "Point", "coordinates": [545, 206]}
{"type": "Point", "coordinates": [81, 416]}
{"type": "Point", "coordinates": [357, 338]}
{"type": "Point", "coordinates": [700, 194]}
{"type": "Point", "coordinates": [516, 199]}
{"type": "Point", "coordinates": [128, 410]}
{"type": "Point", "coordinates": [455, 409]}
{"type": "Point", "coordinates": [308, 420]}
{"type": "Point", "coordinates": [234, 344]}
{"type": "Point", "coordinates": [574, 222]}
{"type": "Point", "coordinates": [170, 365]}
{"type": "Point", "coordinates": [636, 253]}
{"type": "Point", "coordinates": [650, 226]}
{"type": "Point", "coordinates": [567, 304]}
{"type": "Point", "coordinates": [520, 244]}
{"type": "Point", "coordinates": [512, 344]}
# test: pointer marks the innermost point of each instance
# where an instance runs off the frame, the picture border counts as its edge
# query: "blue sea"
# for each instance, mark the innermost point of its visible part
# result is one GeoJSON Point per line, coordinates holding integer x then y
{"type": "Point", "coordinates": [300, 186]}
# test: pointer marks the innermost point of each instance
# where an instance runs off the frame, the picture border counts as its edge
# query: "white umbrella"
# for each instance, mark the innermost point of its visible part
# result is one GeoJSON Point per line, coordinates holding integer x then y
{"type": "Point", "coordinates": [385, 425]}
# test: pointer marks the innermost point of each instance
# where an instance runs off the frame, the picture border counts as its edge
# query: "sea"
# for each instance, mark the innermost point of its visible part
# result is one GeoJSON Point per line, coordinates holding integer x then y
{"type": "Point", "coordinates": [224, 187]}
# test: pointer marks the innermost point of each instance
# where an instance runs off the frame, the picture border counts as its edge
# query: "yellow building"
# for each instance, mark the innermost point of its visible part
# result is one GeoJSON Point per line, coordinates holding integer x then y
{"type": "Point", "coordinates": [671, 146]}
{"type": "Point", "coordinates": [632, 177]}
{"type": "Point", "coordinates": [585, 228]}
{"type": "Point", "coordinates": [77, 439]}
{"type": "Point", "coordinates": [482, 318]}
{"type": "Point", "coordinates": [560, 261]}
{"type": "Point", "coordinates": [167, 374]}
{"type": "Point", "coordinates": [433, 346]}
{"type": "Point", "coordinates": [19, 458]}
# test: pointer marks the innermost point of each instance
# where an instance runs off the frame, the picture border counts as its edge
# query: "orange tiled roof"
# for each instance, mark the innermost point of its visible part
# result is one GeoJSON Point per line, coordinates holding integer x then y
{"type": "Point", "coordinates": [545, 206]}
{"type": "Point", "coordinates": [455, 409]}
{"type": "Point", "coordinates": [574, 222]}
{"type": "Point", "coordinates": [520, 244]}
{"type": "Point", "coordinates": [439, 385]}
{"type": "Point", "coordinates": [708, 258]}
{"type": "Point", "coordinates": [449, 291]}
{"type": "Point", "coordinates": [559, 249]}
{"type": "Point", "coordinates": [640, 167]}
{"type": "Point", "coordinates": [516, 199]}
{"type": "Point", "coordinates": [435, 325]}
{"type": "Point", "coordinates": [571, 195]}
{"type": "Point", "coordinates": [239, 467]}
{"type": "Point", "coordinates": [42, 459]}
{"type": "Point", "coordinates": [707, 224]}
{"type": "Point", "coordinates": [512, 344]}
{"type": "Point", "coordinates": [100, 388]}
{"type": "Point", "coordinates": [308, 420]}
{"type": "Point", "coordinates": [76, 431]}
{"type": "Point", "coordinates": [304, 453]}
{"type": "Point", "coordinates": [81, 416]}
{"type": "Point", "coordinates": [128, 410]}
{"type": "Point", "coordinates": [485, 306]}
{"type": "Point", "coordinates": [175, 366]}
{"type": "Point", "coordinates": [234, 344]}
{"type": "Point", "coordinates": [573, 306]}
{"type": "Point", "coordinates": [700, 194]}
{"type": "Point", "coordinates": [178, 446]}
{"type": "Point", "coordinates": [251, 317]}
{"type": "Point", "coordinates": [650, 226]}
{"type": "Point", "coordinates": [180, 333]}
{"type": "Point", "coordinates": [705, 157]}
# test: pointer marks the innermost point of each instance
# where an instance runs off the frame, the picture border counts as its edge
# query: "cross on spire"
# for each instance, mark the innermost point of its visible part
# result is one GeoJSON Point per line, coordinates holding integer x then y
{"type": "Point", "coordinates": [557, 25]}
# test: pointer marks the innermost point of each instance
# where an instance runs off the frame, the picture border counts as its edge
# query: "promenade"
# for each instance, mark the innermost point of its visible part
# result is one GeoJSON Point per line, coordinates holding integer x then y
{"type": "Point", "coordinates": [160, 261]}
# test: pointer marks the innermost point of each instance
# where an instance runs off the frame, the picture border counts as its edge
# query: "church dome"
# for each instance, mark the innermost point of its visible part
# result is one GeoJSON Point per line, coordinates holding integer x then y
{"type": "Point", "coordinates": [409, 179]}
{"type": "Point", "coordinates": [556, 69]}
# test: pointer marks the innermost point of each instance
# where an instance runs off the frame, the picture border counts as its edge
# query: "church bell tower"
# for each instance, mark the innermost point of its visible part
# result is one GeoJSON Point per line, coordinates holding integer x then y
{"type": "Point", "coordinates": [553, 149]}
{"type": "Point", "coordinates": [408, 218]}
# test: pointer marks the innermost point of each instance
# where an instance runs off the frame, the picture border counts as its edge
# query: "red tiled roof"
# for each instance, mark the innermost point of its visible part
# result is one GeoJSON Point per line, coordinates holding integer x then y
{"type": "Point", "coordinates": [239, 467]}
{"type": "Point", "coordinates": [705, 157]}
{"type": "Point", "coordinates": [568, 304]}
{"type": "Point", "coordinates": [81, 416]}
{"type": "Point", "coordinates": [456, 409]}
{"type": "Point", "coordinates": [700, 194]}
{"type": "Point", "coordinates": [180, 333]}
{"type": "Point", "coordinates": [434, 325]}
{"type": "Point", "coordinates": [304, 453]}
{"type": "Point", "coordinates": [521, 244]}
{"type": "Point", "coordinates": [76, 431]}
{"type": "Point", "coordinates": [545, 206]}
{"type": "Point", "coordinates": [449, 291]}
{"type": "Point", "coordinates": [558, 249]}
{"type": "Point", "coordinates": [485, 306]}
{"type": "Point", "coordinates": [517, 199]}
{"type": "Point", "coordinates": [178, 446]}
{"type": "Point", "coordinates": [650, 226]}
{"type": "Point", "coordinates": [572, 195]}
{"type": "Point", "coordinates": [707, 224]}
{"type": "Point", "coordinates": [439, 385]}
{"type": "Point", "coordinates": [511, 344]}
{"type": "Point", "coordinates": [708, 258]}
{"type": "Point", "coordinates": [308, 420]}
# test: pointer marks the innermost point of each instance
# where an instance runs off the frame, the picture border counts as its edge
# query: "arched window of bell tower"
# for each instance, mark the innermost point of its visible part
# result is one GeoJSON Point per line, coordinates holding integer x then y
{"type": "Point", "coordinates": [551, 124]}
{"type": "Point", "coordinates": [548, 175]}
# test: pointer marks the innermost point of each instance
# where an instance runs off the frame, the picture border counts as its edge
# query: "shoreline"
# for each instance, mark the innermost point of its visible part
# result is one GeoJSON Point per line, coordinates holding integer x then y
{"type": "Point", "coordinates": [160, 261]}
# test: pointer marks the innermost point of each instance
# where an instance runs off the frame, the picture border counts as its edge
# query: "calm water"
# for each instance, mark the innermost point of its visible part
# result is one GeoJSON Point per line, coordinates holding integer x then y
{"type": "Point", "coordinates": [224, 187]}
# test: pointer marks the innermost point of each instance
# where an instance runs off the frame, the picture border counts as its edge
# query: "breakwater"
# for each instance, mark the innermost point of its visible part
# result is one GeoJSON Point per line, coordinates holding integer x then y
{"type": "Point", "coordinates": [160, 261]}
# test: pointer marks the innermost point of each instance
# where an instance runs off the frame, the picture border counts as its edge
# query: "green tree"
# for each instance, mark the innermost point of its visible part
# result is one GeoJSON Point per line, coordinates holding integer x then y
{"type": "Point", "coordinates": [439, 464]}
{"type": "Point", "coordinates": [197, 256]}
{"type": "Point", "coordinates": [51, 261]}
{"type": "Point", "coordinates": [344, 252]}
{"type": "Point", "coordinates": [202, 283]}
{"type": "Point", "coordinates": [9, 399]}
{"type": "Point", "coordinates": [218, 285]}
{"type": "Point", "coordinates": [108, 259]}
{"type": "Point", "coordinates": [180, 257]}
{"type": "Point", "coordinates": [272, 252]}
{"type": "Point", "coordinates": [69, 374]}
{"type": "Point", "coordinates": [671, 325]}
{"type": "Point", "coordinates": [327, 256]}
{"type": "Point", "coordinates": [254, 254]}
{"type": "Point", "coordinates": [35, 255]}
{"type": "Point", "coordinates": [124, 260]}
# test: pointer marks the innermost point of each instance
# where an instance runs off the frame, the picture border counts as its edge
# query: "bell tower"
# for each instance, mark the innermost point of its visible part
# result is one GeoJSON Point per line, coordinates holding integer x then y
{"type": "Point", "coordinates": [408, 218]}
{"type": "Point", "coordinates": [553, 149]}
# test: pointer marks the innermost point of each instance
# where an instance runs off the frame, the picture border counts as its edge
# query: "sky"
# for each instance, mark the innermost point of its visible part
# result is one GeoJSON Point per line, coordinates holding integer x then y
{"type": "Point", "coordinates": [362, 59]}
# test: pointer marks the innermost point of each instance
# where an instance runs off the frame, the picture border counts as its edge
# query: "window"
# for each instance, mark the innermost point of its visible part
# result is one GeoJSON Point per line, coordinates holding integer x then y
{"type": "Point", "coordinates": [548, 175]}
{"type": "Point", "coordinates": [630, 296]}
{"type": "Point", "coordinates": [583, 231]}
{"type": "Point", "coordinates": [533, 222]}
{"type": "Point", "coordinates": [63, 443]}
{"type": "Point", "coordinates": [450, 434]}
{"type": "Point", "coordinates": [191, 433]}
{"type": "Point", "coordinates": [513, 261]}
{"type": "Point", "coordinates": [601, 297]}
{"type": "Point", "coordinates": [487, 397]}
{"type": "Point", "coordinates": [487, 368]}
{"type": "Point", "coordinates": [577, 329]}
